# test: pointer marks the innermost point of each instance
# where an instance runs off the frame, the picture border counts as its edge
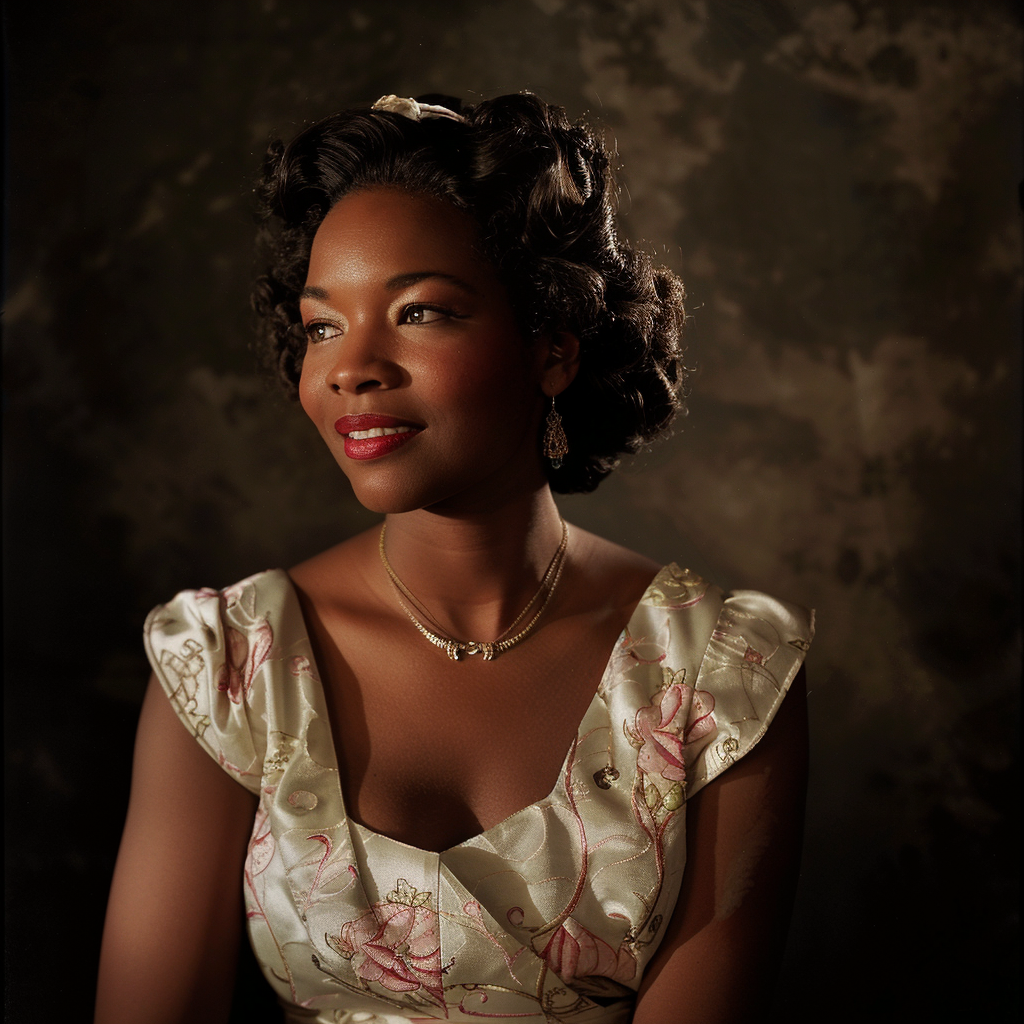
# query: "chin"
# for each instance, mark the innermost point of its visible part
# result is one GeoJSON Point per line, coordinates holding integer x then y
{"type": "Point", "coordinates": [442, 496]}
{"type": "Point", "coordinates": [439, 482]}
{"type": "Point", "coordinates": [386, 506]}
{"type": "Point", "coordinates": [392, 497]}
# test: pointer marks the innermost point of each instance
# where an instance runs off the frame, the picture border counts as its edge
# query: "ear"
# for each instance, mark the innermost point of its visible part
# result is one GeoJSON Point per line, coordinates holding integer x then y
{"type": "Point", "coordinates": [560, 352]}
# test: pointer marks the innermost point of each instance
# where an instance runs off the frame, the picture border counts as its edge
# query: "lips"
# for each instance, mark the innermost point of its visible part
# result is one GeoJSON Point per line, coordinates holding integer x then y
{"type": "Point", "coordinates": [369, 435]}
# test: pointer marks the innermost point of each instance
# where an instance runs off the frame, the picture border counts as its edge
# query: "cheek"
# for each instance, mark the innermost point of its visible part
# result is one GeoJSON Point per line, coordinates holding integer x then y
{"type": "Point", "coordinates": [490, 380]}
{"type": "Point", "coordinates": [477, 396]}
{"type": "Point", "coordinates": [308, 392]}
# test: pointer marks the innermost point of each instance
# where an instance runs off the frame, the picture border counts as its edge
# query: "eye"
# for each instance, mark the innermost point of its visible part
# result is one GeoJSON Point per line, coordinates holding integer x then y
{"type": "Point", "coordinates": [317, 331]}
{"type": "Point", "coordinates": [420, 314]}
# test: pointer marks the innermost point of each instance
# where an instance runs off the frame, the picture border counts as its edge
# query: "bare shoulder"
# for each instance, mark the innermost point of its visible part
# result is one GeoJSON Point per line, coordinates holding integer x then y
{"type": "Point", "coordinates": [611, 568]}
{"type": "Point", "coordinates": [606, 554]}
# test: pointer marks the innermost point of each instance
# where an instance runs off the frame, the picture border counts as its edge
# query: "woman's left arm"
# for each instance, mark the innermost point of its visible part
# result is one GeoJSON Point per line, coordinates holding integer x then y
{"type": "Point", "coordinates": [718, 961]}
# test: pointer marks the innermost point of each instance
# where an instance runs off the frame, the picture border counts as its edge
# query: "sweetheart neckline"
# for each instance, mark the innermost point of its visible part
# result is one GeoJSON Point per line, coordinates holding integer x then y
{"type": "Point", "coordinates": [320, 708]}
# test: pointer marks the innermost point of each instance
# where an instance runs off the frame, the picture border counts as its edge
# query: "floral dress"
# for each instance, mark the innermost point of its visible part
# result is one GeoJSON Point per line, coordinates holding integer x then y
{"type": "Point", "coordinates": [552, 914]}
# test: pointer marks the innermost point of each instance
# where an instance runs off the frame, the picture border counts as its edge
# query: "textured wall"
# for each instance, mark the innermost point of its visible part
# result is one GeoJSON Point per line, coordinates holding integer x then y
{"type": "Point", "coordinates": [835, 181]}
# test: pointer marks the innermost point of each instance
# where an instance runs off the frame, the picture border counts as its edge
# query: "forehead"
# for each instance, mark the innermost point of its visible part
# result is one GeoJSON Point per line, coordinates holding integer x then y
{"type": "Point", "coordinates": [389, 230]}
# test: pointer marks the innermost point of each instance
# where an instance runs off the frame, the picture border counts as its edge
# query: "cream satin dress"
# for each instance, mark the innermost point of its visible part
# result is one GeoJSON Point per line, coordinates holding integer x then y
{"type": "Point", "coordinates": [552, 914]}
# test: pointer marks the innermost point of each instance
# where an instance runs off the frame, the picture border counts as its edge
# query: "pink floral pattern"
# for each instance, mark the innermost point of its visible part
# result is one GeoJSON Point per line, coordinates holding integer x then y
{"type": "Point", "coordinates": [639, 649]}
{"type": "Point", "coordinates": [661, 750]}
{"type": "Point", "coordinates": [660, 738]}
{"type": "Point", "coordinates": [751, 654]}
{"type": "Point", "coordinates": [396, 944]}
{"type": "Point", "coordinates": [574, 952]}
{"type": "Point", "coordinates": [246, 653]}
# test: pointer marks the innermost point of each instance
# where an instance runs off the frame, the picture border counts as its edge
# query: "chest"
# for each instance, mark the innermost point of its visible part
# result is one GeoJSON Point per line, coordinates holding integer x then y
{"type": "Point", "coordinates": [432, 751]}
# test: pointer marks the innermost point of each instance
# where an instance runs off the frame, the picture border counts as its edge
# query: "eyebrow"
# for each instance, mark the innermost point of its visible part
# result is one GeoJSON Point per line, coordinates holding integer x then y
{"type": "Point", "coordinates": [395, 284]}
{"type": "Point", "coordinates": [406, 280]}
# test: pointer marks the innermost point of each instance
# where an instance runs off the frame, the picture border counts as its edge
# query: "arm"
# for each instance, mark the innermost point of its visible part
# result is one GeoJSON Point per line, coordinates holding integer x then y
{"type": "Point", "coordinates": [175, 913]}
{"type": "Point", "coordinates": [723, 946]}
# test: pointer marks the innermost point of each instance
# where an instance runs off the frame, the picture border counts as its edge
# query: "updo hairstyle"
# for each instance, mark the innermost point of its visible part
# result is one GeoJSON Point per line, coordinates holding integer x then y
{"type": "Point", "coordinates": [543, 195]}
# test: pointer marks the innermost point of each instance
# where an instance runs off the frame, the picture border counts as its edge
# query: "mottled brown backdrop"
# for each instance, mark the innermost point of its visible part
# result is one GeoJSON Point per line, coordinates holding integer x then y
{"type": "Point", "coordinates": [836, 181]}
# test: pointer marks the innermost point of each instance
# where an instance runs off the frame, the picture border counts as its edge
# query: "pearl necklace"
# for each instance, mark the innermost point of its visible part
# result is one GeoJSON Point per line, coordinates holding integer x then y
{"type": "Point", "coordinates": [456, 648]}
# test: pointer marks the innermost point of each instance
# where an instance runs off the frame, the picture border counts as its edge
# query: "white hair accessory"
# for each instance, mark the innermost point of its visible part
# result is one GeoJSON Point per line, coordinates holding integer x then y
{"type": "Point", "coordinates": [413, 109]}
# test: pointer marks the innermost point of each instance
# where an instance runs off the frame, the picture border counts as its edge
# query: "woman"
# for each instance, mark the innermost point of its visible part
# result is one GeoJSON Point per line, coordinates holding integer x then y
{"type": "Point", "coordinates": [470, 739]}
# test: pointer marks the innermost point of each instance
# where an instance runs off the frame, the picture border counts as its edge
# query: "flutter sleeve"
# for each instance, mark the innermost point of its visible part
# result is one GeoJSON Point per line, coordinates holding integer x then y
{"type": "Point", "coordinates": [207, 649]}
{"type": "Point", "coordinates": [754, 653]}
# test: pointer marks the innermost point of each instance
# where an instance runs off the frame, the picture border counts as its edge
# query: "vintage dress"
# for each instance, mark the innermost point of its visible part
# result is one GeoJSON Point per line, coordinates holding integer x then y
{"type": "Point", "coordinates": [552, 914]}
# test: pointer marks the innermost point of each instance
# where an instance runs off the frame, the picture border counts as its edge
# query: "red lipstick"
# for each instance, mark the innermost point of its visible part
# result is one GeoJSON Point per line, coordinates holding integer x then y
{"type": "Point", "coordinates": [386, 434]}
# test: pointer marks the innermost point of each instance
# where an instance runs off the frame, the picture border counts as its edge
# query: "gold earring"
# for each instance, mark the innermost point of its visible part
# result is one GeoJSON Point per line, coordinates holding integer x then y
{"type": "Point", "coordinates": [556, 446]}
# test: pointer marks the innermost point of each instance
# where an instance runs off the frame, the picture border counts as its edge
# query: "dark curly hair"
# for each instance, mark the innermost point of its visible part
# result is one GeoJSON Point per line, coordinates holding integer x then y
{"type": "Point", "coordinates": [543, 194]}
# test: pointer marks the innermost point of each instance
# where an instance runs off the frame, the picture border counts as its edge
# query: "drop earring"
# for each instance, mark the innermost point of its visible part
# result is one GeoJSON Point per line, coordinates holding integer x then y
{"type": "Point", "coordinates": [556, 446]}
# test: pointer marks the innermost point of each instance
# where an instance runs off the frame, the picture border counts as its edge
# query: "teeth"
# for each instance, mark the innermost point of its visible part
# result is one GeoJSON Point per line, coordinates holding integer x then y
{"type": "Point", "coordinates": [362, 435]}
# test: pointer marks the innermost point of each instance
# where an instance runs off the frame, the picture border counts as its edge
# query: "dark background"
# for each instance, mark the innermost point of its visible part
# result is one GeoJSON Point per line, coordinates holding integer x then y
{"type": "Point", "coordinates": [835, 181]}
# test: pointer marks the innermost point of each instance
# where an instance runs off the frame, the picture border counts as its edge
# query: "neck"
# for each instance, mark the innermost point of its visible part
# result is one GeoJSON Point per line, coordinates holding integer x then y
{"type": "Point", "coordinates": [475, 572]}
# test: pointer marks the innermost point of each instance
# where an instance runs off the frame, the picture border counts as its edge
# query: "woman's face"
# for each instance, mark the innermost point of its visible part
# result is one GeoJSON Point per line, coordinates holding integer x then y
{"type": "Point", "coordinates": [416, 373]}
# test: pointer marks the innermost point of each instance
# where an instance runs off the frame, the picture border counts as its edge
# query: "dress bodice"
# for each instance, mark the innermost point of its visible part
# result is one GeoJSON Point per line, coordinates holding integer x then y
{"type": "Point", "coordinates": [551, 914]}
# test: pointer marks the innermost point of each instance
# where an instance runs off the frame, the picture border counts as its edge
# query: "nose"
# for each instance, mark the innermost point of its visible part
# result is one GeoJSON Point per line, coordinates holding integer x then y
{"type": "Point", "coordinates": [362, 362]}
